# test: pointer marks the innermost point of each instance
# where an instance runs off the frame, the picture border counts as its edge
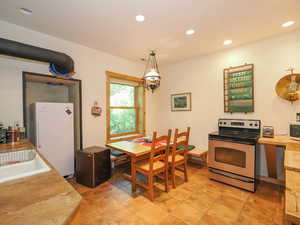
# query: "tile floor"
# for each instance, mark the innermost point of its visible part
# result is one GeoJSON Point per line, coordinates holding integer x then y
{"type": "Point", "coordinates": [198, 202]}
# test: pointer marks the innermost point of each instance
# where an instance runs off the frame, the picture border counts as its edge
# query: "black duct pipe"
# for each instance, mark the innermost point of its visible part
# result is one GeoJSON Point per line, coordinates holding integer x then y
{"type": "Point", "coordinates": [60, 63]}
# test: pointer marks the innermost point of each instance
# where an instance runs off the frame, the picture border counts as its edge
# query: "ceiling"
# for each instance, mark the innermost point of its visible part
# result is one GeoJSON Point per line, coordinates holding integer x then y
{"type": "Point", "coordinates": [110, 26]}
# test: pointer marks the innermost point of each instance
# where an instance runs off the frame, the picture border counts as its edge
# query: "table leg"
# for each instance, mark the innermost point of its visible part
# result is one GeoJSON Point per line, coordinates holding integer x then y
{"type": "Point", "coordinates": [133, 174]}
{"type": "Point", "coordinates": [271, 160]}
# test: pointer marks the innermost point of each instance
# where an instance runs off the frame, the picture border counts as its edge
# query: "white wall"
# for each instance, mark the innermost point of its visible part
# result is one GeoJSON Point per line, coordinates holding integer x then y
{"type": "Point", "coordinates": [90, 66]}
{"type": "Point", "coordinates": [203, 76]}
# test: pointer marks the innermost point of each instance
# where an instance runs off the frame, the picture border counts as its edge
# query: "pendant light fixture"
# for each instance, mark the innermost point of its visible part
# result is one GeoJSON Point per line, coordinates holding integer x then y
{"type": "Point", "coordinates": [151, 76]}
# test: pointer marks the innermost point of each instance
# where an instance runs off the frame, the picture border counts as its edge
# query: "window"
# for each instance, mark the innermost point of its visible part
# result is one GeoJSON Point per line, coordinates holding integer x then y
{"type": "Point", "coordinates": [122, 109]}
{"type": "Point", "coordinates": [125, 104]}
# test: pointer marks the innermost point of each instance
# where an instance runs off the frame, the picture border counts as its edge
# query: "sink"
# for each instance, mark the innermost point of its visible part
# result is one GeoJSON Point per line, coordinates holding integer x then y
{"type": "Point", "coordinates": [16, 167]}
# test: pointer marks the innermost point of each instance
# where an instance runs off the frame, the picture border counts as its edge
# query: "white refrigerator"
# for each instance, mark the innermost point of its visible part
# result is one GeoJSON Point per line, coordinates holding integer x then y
{"type": "Point", "coordinates": [53, 127]}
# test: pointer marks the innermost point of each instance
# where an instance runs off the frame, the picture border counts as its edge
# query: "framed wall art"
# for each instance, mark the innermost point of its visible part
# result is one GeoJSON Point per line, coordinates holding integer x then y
{"type": "Point", "coordinates": [181, 102]}
{"type": "Point", "coordinates": [239, 89]}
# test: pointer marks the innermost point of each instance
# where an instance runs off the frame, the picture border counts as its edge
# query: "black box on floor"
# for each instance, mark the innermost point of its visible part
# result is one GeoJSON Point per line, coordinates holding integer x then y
{"type": "Point", "coordinates": [93, 166]}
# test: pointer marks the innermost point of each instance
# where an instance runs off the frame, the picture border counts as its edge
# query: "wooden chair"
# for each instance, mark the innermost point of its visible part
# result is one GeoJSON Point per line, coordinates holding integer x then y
{"type": "Point", "coordinates": [155, 165]}
{"type": "Point", "coordinates": [178, 158]}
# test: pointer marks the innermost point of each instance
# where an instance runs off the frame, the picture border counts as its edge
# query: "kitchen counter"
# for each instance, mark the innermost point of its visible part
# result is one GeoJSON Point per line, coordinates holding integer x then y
{"type": "Point", "coordinates": [42, 199]}
{"type": "Point", "coordinates": [279, 140]}
{"type": "Point", "coordinates": [271, 145]}
{"type": "Point", "coordinates": [292, 173]}
{"type": "Point", "coordinates": [17, 146]}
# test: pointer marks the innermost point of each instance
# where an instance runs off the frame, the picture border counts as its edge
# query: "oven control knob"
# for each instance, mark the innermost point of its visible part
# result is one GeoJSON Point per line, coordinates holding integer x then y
{"type": "Point", "coordinates": [251, 124]}
{"type": "Point", "coordinates": [256, 125]}
{"type": "Point", "coordinates": [220, 123]}
{"type": "Point", "coordinates": [225, 123]}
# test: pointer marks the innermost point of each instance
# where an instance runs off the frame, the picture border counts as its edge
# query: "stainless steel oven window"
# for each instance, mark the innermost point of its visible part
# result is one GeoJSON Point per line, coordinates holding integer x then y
{"type": "Point", "coordinates": [230, 156]}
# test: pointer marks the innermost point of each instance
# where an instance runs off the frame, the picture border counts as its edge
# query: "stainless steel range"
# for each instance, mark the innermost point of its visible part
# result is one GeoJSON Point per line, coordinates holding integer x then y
{"type": "Point", "coordinates": [231, 154]}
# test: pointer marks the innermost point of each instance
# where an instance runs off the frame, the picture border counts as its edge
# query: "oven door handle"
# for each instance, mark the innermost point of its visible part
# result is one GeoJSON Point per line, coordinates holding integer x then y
{"type": "Point", "coordinates": [232, 176]}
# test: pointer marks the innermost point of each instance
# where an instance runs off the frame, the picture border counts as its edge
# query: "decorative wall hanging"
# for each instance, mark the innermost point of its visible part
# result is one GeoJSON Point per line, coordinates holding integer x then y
{"type": "Point", "coordinates": [181, 102]}
{"type": "Point", "coordinates": [238, 89]}
{"type": "Point", "coordinates": [96, 110]}
{"type": "Point", "coordinates": [288, 87]}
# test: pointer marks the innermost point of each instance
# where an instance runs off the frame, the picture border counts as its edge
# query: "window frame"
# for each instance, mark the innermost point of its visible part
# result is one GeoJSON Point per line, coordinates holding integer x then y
{"type": "Point", "coordinates": [126, 135]}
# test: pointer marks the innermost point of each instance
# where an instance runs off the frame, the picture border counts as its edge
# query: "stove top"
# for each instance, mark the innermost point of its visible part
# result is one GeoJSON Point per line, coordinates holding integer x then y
{"type": "Point", "coordinates": [242, 131]}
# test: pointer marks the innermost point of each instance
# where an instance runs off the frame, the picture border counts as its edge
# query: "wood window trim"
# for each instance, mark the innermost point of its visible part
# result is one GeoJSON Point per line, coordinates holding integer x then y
{"type": "Point", "coordinates": [129, 135]}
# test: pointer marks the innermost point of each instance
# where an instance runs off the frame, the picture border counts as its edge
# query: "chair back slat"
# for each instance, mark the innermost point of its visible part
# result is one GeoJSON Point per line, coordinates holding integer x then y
{"type": "Point", "coordinates": [183, 134]}
{"type": "Point", "coordinates": [161, 138]}
{"type": "Point", "coordinates": [180, 139]}
{"type": "Point", "coordinates": [160, 152]}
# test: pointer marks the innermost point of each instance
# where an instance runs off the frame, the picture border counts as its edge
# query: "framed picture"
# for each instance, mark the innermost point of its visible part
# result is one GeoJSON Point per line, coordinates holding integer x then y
{"type": "Point", "coordinates": [181, 102]}
{"type": "Point", "coordinates": [239, 89]}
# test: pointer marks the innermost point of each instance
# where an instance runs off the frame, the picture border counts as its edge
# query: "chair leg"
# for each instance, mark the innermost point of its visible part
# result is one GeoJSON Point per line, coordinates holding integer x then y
{"type": "Point", "coordinates": [173, 176]}
{"type": "Point", "coordinates": [185, 171]}
{"type": "Point", "coordinates": [167, 180]}
{"type": "Point", "coordinates": [150, 187]}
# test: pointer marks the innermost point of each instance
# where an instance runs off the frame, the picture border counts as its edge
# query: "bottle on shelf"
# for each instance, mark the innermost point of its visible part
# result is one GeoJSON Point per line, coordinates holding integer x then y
{"type": "Point", "coordinates": [2, 134]}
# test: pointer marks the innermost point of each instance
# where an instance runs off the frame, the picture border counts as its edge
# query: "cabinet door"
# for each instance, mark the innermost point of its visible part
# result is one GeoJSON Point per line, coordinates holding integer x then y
{"type": "Point", "coordinates": [84, 172]}
{"type": "Point", "coordinates": [102, 166]}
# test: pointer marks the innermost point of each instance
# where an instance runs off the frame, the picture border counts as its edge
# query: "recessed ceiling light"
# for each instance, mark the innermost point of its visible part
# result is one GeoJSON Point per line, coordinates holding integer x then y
{"type": "Point", "coordinates": [227, 42]}
{"type": "Point", "coordinates": [288, 23]}
{"type": "Point", "coordinates": [25, 11]}
{"type": "Point", "coordinates": [190, 32]}
{"type": "Point", "coordinates": [140, 18]}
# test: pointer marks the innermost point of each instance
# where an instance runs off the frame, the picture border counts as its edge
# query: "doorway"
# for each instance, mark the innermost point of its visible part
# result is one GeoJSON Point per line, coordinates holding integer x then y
{"type": "Point", "coordinates": [46, 88]}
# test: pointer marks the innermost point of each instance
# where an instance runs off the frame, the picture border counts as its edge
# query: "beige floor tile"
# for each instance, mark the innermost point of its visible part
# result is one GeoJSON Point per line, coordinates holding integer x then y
{"type": "Point", "coordinates": [163, 197]}
{"type": "Point", "coordinates": [278, 218]}
{"type": "Point", "coordinates": [226, 209]}
{"type": "Point", "coordinates": [260, 206]}
{"type": "Point", "coordinates": [236, 193]}
{"type": "Point", "coordinates": [202, 202]}
{"type": "Point", "coordinates": [133, 220]}
{"type": "Point", "coordinates": [212, 188]}
{"type": "Point", "coordinates": [172, 220]}
{"type": "Point", "coordinates": [211, 220]}
{"type": "Point", "coordinates": [180, 193]}
{"type": "Point", "coordinates": [151, 213]}
{"type": "Point", "coordinates": [169, 204]}
{"type": "Point", "coordinates": [195, 183]}
{"type": "Point", "coordinates": [247, 219]}
{"type": "Point", "coordinates": [186, 213]}
{"type": "Point", "coordinates": [122, 217]}
{"type": "Point", "coordinates": [198, 178]}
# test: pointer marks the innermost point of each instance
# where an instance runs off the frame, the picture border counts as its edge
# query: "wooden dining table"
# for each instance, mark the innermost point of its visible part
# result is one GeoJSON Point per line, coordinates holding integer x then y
{"type": "Point", "coordinates": [136, 151]}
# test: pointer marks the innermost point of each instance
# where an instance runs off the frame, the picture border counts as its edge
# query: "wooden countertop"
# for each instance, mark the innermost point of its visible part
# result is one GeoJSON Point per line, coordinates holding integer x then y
{"type": "Point", "coordinates": [42, 199]}
{"type": "Point", "coordinates": [280, 140]}
{"type": "Point", "coordinates": [17, 146]}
